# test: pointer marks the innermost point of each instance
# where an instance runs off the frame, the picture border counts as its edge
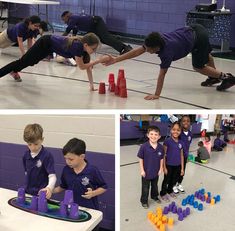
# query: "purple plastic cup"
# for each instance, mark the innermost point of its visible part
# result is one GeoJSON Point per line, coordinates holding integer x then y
{"type": "Point", "coordinates": [34, 203]}
{"type": "Point", "coordinates": [187, 211]}
{"type": "Point", "coordinates": [68, 197]}
{"type": "Point", "coordinates": [21, 196]}
{"type": "Point", "coordinates": [63, 209]}
{"type": "Point", "coordinates": [42, 202]}
{"type": "Point", "coordinates": [165, 210]}
{"type": "Point", "coordinates": [181, 217]}
{"type": "Point", "coordinates": [74, 212]}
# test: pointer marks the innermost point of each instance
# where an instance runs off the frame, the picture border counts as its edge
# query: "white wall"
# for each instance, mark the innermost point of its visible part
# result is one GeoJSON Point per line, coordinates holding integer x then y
{"type": "Point", "coordinates": [98, 131]}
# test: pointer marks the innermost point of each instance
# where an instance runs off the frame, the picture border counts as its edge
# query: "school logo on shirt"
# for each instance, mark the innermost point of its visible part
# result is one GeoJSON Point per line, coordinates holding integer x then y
{"type": "Point", "coordinates": [159, 153]}
{"type": "Point", "coordinates": [39, 163]}
{"type": "Point", "coordinates": [85, 181]}
{"type": "Point", "coordinates": [189, 138]}
{"type": "Point", "coordinates": [180, 146]}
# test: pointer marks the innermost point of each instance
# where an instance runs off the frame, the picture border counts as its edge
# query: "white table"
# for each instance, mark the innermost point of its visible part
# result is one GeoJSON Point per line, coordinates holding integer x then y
{"type": "Point", "coordinates": [13, 219]}
{"type": "Point", "coordinates": [35, 2]}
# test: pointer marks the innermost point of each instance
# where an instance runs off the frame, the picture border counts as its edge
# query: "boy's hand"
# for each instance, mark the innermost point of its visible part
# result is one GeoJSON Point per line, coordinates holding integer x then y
{"type": "Point", "coordinates": [160, 172]}
{"type": "Point", "coordinates": [89, 194]}
{"type": "Point", "coordinates": [182, 172]}
{"type": "Point", "coordinates": [48, 192]}
{"type": "Point", "coordinates": [92, 88]}
{"type": "Point", "coordinates": [143, 174]}
{"type": "Point", "coordinates": [151, 97]}
{"type": "Point", "coordinates": [109, 60]}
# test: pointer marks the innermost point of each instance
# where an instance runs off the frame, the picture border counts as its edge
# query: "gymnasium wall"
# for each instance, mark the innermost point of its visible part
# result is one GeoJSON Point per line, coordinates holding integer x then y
{"type": "Point", "coordinates": [96, 130]}
{"type": "Point", "coordinates": [138, 17]}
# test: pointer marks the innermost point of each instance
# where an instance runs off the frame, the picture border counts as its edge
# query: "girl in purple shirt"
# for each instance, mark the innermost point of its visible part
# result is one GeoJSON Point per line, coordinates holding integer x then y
{"type": "Point", "coordinates": [26, 30]}
{"type": "Point", "coordinates": [68, 47]}
{"type": "Point", "coordinates": [173, 162]}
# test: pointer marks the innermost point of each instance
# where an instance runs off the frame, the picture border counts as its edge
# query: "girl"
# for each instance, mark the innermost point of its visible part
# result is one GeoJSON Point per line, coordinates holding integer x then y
{"type": "Point", "coordinates": [207, 143]}
{"type": "Point", "coordinates": [67, 47]}
{"type": "Point", "coordinates": [26, 30]}
{"type": "Point", "coordinates": [186, 137]}
{"type": "Point", "coordinates": [173, 162]}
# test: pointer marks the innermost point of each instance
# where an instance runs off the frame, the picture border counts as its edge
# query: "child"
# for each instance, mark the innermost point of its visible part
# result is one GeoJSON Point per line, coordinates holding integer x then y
{"type": "Point", "coordinates": [95, 24]}
{"type": "Point", "coordinates": [173, 162]}
{"type": "Point", "coordinates": [176, 45]}
{"type": "Point", "coordinates": [186, 137]}
{"type": "Point", "coordinates": [78, 175]}
{"type": "Point", "coordinates": [218, 143]}
{"type": "Point", "coordinates": [151, 165]}
{"type": "Point", "coordinates": [38, 162]}
{"type": "Point", "coordinates": [65, 46]}
{"type": "Point", "coordinates": [207, 143]}
{"type": "Point", "coordinates": [202, 153]}
{"type": "Point", "coordinates": [26, 30]}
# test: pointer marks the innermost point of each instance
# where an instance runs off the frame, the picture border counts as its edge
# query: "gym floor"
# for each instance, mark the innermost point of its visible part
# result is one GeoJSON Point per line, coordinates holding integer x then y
{"type": "Point", "coordinates": [50, 85]}
{"type": "Point", "coordinates": [215, 177]}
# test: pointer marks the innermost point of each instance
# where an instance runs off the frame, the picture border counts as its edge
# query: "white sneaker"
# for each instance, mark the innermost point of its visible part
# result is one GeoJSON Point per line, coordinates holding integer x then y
{"type": "Point", "coordinates": [175, 190]}
{"type": "Point", "coordinates": [180, 188]}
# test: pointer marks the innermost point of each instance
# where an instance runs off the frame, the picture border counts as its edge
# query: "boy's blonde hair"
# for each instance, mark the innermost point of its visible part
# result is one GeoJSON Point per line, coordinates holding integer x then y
{"type": "Point", "coordinates": [33, 133]}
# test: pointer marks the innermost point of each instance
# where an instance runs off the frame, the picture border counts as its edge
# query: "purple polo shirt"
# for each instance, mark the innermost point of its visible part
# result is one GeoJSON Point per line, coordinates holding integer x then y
{"type": "Point", "coordinates": [151, 158]}
{"type": "Point", "coordinates": [218, 142]}
{"type": "Point", "coordinates": [21, 30]}
{"type": "Point", "coordinates": [82, 23]}
{"type": "Point", "coordinates": [187, 140]}
{"type": "Point", "coordinates": [60, 47]}
{"type": "Point", "coordinates": [178, 44]}
{"type": "Point", "coordinates": [37, 170]}
{"type": "Point", "coordinates": [90, 177]}
{"type": "Point", "coordinates": [174, 148]}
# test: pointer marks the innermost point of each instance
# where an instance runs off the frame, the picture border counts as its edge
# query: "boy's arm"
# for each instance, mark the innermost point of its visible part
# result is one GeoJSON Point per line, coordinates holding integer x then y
{"type": "Point", "coordinates": [142, 172]}
{"type": "Point", "coordinates": [160, 82]}
{"type": "Point", "coordinates": [161, 167]}
{"type": "Point", "coordinates": [90, 78]}
{"type": "Point", "coordinates": [30, 42]}
{"type": "Point", "coordinates": [129, 55]}
{"type": "Point", "coordinates": [182, 162]}
{"type": "Point", "coordinates": [58, 189]}
{"type": "Point", "coordinates": [164, 160]}
{"type": "Point", "coordinates": [93, 193]}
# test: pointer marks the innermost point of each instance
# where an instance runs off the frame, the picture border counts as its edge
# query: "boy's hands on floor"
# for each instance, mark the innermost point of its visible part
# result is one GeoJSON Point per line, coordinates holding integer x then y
{"type": "Point", "coordinates": [151, 97]}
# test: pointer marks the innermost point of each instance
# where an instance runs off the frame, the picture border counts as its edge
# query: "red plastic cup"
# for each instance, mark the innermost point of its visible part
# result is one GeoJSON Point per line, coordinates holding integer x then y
{"type": "Point", "coordinates": [121, 73]}
{"type": "Point", "coordinates": [122, 83]}
{"type": "Point", "coordinates": [112, 87]}
{"type": "Point", "coordinates": [102, 88]}
{"type": "Point", "coordinates": [123, 93]}
{"type": "Point", "coordinates": [111, 78]}
{"type": "Point", "coordinates": [117, 90]}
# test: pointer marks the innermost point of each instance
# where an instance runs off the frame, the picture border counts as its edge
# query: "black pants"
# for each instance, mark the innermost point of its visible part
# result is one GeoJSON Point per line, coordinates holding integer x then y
{"type": "Point", "coordinates": [101, 30]}
{"type": "Point", "coordinates": [170, 179]}
{"type": "Point", "coordinates": [145, 189]}
{"type": "Point", "coordinates": [182, 177]}
{"type": "Point", "coordinates": [40, 50]}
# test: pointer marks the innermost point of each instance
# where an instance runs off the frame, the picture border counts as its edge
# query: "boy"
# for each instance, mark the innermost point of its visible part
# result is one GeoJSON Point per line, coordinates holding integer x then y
{"type": "Point", "coordinates": [78, 175]}
{"type": "Point", "coordinates": [176, 45]}
{"type": "Point", "coordinates": [150, 155]}
{"type": "Point", "coordinates": [95, 24]}
{"type": "Point", "coordinates": [38, 162]}
{"type": "Point", "coordinates": [186, 137]}
{"type": "Point", "coordinates": [202, 153]}
{"type": "Point", "coordinates": [219, 144]}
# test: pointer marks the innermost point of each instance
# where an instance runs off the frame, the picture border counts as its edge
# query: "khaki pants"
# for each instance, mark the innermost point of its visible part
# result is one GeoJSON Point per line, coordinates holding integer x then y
{"type": "Point", "coordinates": [4, 40]}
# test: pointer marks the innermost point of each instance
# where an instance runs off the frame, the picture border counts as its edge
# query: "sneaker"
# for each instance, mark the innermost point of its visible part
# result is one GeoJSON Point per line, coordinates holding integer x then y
{"type": "Point", "coordinates": [70, 62]}
{"type": "Point", "coordinates": [226, 83]}
{"type": "Point", "coordinates": [16, 76]}
{"type": "Point", "coordinates": [165, 198]}
{"type": "Point", "coordinates": [175, 190]}
{"type": "Point", "coordinates": [126, 49]}
{"type": "Point", "coordinates": [172, 195]}
{"type": "Point", "coordinates": [157, 200]}
{"type": "Point", "coordinates": [180, 188]}
{"type": "Point", "coordinates": [210, 81]}
{"type": "Point", "coordinates": [146, 206]}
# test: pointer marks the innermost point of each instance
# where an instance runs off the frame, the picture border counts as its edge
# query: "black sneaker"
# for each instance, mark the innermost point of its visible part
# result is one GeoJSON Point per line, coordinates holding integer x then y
{"type": "Point", "coordinates": [146, 206]}
{"type": "Point", "coordinates": [226, 83]}
{"type": "Point", "coordinates": [126, 49]}
{"type": "Point", "coordinates": [210, 81]}
{"type": "Point", "coordinates": [157, 200]}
